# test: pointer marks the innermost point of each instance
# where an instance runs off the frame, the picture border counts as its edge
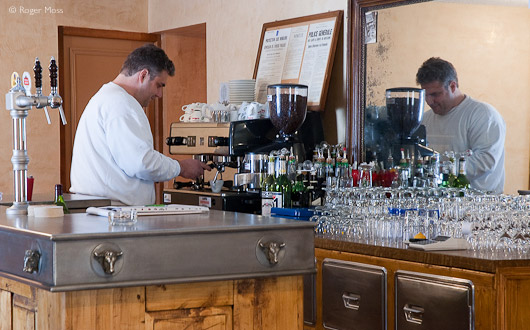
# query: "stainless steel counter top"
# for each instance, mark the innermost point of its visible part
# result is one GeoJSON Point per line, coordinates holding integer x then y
{"type": "Point", "coordinates": [216, 245]}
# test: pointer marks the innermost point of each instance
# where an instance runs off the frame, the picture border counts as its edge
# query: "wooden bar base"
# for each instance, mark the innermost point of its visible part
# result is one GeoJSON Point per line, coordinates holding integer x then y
{"type": "Point", "coordinates": [265, 303]}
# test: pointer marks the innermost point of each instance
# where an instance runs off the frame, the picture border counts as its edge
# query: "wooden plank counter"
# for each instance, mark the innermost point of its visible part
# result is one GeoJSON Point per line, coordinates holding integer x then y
{"type": "Point", "coordinates": [501, 283]}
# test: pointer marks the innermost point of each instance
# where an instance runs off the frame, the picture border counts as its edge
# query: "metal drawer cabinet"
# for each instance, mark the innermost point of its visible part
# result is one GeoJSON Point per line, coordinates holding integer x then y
{"type": "Point", "coordinates": [353, 295]}
{"type": "Point", "coordinates": [433, 302]}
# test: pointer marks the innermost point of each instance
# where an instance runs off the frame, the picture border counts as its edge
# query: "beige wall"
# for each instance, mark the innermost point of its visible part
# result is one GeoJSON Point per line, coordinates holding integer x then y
{"type": "Point", "coordinates": [488, 45]}
{"type": "Point", "coordinates": [233, 29]}
{"type": "Point", "coordinates": [25, 36]}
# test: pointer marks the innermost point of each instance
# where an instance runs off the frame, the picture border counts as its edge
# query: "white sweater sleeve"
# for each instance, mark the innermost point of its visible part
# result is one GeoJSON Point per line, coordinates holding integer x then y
{"type": "Point", "coordinates": [131, 145]}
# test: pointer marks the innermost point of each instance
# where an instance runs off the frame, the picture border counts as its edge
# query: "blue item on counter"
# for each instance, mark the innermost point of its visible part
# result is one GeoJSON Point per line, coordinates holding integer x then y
{"type": "Point", "coordinates": [292, 213]}
{"type": "Point", "coordinates": [401, 212]}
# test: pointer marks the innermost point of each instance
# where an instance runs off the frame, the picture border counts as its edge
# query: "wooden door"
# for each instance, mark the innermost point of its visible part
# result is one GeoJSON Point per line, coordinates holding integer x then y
{"type": "Point", "coordinates": [89, 58]}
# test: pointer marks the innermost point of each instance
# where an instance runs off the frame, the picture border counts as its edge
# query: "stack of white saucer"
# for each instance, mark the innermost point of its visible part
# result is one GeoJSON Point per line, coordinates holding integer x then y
{"type": "Point", "coordinates": [242, 91]}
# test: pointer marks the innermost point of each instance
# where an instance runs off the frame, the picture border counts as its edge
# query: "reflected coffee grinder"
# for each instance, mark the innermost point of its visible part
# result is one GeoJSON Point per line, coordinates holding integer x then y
{"type": "Point", "coordinates": [405, 112]}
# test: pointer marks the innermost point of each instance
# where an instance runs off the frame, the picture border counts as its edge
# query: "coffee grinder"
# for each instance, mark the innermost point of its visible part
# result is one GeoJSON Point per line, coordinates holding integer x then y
{"type": "Point", "coordinates": [287, 112]}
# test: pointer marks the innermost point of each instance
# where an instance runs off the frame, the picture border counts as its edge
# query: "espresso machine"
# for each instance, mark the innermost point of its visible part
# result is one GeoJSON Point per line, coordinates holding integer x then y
{"type": "Point", "coordinates": [209, 143]}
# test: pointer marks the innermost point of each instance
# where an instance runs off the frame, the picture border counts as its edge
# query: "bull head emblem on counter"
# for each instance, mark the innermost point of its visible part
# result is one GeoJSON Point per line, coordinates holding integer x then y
{"type": "Point", "coordinates": [107, 259]}
{"type": "Point", "coordinates": [271, 250]}
{"type": "Point", "coordinates": [31, 261]}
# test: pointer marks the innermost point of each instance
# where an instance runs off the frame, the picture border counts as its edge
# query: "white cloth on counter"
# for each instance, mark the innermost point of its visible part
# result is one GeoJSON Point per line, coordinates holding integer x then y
{"type": "Point", "coordinates": [477, 126]}
{"type": "Point", "coordinates": [113, 154]}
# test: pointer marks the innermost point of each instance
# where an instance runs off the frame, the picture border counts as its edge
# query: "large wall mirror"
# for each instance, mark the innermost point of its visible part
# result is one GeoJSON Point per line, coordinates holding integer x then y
{"type": "Point", "coordinates": [489, 46]}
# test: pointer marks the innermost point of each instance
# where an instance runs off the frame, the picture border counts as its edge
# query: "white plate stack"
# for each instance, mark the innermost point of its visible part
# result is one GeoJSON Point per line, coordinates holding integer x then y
{"type": "Point", "coordinates": [242, 91]}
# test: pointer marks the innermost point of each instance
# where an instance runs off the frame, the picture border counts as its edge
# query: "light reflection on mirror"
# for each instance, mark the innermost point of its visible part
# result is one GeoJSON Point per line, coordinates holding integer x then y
{"type": "Point", "coordinates": [490, 49]}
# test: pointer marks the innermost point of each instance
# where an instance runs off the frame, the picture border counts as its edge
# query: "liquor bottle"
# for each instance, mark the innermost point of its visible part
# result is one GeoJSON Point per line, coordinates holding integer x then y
{"type": "Point", "coordinates": [298, 195]}
{"type": "Point", "coordinates": [316, 191]}
{"type": "Point", "coordinates": [59, 199]}
{"type": "Point", "coordinates": [390, 161]}
{"type": "Point", "coordinates": [330, 165]}
{"type": "Point", "coordinates": [461, 180]}
{"type": "Point", "coordinates": [445, 177]}
{"type": "Point", "coordinates": [283, 184]}
{"type": "Point", "coordinates": [320, 165]}
{"type": "Point", "coordinates": [291, 166]}
{"type": "Point", "coordinates": [267, 188]}
{"type": "Point", "coordinates": [404, 170]}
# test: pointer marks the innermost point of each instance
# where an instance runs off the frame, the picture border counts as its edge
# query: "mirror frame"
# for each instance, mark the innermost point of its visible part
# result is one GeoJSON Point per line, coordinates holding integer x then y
{"type": "Point", "coordinates": [357, 71]}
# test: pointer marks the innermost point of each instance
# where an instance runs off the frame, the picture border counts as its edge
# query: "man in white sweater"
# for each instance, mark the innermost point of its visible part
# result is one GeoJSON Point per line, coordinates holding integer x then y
{"type": "Point", "coordinates": [113, 154]}
{"type": "Point", "coordinates": [456, 122]}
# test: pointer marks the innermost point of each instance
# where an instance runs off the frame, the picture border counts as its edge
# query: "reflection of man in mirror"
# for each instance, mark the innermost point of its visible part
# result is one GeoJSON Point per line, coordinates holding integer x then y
{"type": "Point", "coordinates": [456, 122]}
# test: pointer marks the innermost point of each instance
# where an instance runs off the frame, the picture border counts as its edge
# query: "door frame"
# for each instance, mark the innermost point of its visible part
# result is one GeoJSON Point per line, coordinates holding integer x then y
{"type": "Point", "coordinates": [154, 111]}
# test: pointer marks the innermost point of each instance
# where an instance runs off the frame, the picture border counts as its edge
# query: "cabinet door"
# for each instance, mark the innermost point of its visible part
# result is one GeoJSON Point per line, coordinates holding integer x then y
{"type": "Point", "coordinates": [214, 318]}
{"type": "Point", "coordinates": [5, 310]}
{"type": "Point", "coordinates": [23, 319]}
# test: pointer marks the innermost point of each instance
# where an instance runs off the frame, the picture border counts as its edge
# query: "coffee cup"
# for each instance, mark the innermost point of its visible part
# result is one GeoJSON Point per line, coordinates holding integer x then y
{"type": "Point", "coordinates": [217, 185]}
{"type": "Point", "coordinates": [196, 116]}
{"type": "Point", "coordinates": [241, 115]}
{"type": "Point", "coordinates": [252, 110]}
{"type": "Point", "coordinates": [185, 117]}
{"type": "Point", "coordinates": [206, 110]}
{"type": "Point", "coordinates": [263, 111]}
{"type": "Point", "coordinates": [189, 107]}
{"type": "Point", "coordinates": [233, 115]}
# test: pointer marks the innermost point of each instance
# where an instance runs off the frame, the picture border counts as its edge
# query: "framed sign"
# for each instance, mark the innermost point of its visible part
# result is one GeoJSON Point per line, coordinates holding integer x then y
{"type": "Point", "coordinates": [298, 51]}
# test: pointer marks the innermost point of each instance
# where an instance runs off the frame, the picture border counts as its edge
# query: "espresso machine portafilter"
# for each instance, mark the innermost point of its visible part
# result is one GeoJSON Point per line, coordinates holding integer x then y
{"type": "Point", "coordinates": [18, 103]}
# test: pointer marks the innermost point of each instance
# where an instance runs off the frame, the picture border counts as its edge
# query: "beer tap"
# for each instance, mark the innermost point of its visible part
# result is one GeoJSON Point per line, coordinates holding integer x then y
{"type": "Point", "coordinates": [54, 100]}
{"type": "Point", "coordinates": [37, 69]}
{"type": "Point", "coordinates": [18, 104]}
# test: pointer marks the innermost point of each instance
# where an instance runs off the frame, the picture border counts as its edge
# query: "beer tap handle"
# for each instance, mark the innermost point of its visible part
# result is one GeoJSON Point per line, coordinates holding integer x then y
{"type": "Point", "coordinates": [53, 74]}
{"type": "Point", "coordinates": [37, 69]}
{"type": "Point", "coordinates": [47, 116]}
{"type": "Point", "coordinates": [61, 112]}
{"type": "Point", "coordinates": [55, 100]}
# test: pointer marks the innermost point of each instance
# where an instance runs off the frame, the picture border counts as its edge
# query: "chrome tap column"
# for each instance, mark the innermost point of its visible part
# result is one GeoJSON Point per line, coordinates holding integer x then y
{"type": "Point", "coordinates": [18, 104]}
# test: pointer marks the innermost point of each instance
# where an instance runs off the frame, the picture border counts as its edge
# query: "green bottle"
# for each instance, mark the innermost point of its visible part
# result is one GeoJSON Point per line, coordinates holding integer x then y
{"type": "Point", "coordinates": [461, 180]}
{"type": "Point", "coordinates": [298, 195]}
{"type": "Point", "coordinates": [283, 184]}
{"type": "Point", "coordinates": [268, 180]}
{"type": "Point", "coordinates": [59, 199]}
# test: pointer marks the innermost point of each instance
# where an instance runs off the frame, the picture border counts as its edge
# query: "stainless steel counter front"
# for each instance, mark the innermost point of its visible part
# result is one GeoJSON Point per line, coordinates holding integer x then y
{"type": "Point", "coordinates": [158, 249]}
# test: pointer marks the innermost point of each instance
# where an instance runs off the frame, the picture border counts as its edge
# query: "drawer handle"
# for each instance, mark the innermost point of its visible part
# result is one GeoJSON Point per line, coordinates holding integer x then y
{"type": "Point", "coordinates": [413, 314]}
{"type": "Point", "coordinates": [351, 300]}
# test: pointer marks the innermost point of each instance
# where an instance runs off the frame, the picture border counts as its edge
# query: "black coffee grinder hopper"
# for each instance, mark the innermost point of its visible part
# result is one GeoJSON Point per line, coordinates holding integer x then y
{"type": "Point", "coordinates": [287, 112]}
{"type": "Point", "coordinates": [405, 112]}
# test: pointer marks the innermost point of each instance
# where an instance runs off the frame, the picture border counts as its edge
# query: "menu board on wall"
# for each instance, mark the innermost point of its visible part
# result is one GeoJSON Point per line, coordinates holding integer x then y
{"type": "Point", "coordinates": [298, 51]}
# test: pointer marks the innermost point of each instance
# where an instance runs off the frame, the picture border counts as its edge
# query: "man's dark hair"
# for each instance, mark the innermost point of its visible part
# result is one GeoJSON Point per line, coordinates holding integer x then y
{"type": "Point", "coordinates": [149, 57]}
{"type": "Point", "coordinates": [436, 69]}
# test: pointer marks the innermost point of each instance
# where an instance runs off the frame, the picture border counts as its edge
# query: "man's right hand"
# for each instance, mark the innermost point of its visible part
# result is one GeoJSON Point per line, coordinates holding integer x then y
{"type": "Point", "coordinates": [192, 168]}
